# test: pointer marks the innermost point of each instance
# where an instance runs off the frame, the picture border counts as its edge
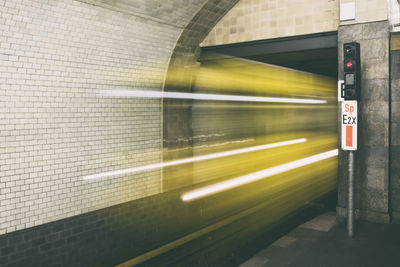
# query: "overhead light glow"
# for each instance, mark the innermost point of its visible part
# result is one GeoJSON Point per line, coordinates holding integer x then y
{"type": "Point", "coordinates": [194, 159]}
{"type": "Point", "coordinates": [241, 180]}
{"type": "Point", "coordinates": [212, 97]}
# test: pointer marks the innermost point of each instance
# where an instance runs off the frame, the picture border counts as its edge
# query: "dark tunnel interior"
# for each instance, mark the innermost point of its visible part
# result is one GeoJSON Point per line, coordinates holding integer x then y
{"type": "Point", "coordinates": [314, 53]}
{"type": "Point", "coordinates": [319, 61]}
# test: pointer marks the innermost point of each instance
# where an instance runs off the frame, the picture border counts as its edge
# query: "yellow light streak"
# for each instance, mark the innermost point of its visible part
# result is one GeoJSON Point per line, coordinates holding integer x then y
{"type": "Point", "coordinates": [194, 159]}
{"type": "Point", "coordinates": [211, 97]}
{"type": "Point", "coordinates": [232, 183]}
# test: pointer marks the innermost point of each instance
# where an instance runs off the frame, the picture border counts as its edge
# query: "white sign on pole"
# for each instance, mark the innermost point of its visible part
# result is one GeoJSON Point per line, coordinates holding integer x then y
{"type": "Point", "coordinates": [340, 85]}
{"type": "Point", "coordinates": [349, 125]}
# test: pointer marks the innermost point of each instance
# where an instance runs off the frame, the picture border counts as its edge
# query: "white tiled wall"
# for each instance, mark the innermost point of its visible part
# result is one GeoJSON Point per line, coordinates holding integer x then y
{"type": "Point", "coordinates": [263, 19]}
{"type": "Point", "coordinates": [253, 20]}
{"type": "Point", "coordinates": [55, 127]}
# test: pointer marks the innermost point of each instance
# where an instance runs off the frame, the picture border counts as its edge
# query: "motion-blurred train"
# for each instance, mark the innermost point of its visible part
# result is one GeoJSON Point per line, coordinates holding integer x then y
{"type": "Point", "coordinates": [264, 145]}
{"type": "Point", "coordinates": [245, 107]}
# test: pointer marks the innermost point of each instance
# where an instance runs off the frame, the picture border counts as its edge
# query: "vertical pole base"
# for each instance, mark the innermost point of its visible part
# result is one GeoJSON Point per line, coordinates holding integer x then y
{"type": "Point", "coordinates": [350, 203]}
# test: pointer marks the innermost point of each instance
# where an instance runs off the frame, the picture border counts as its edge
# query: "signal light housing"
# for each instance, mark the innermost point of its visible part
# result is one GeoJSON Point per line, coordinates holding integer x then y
{"type": "Point", "coordinates": [351, 71]}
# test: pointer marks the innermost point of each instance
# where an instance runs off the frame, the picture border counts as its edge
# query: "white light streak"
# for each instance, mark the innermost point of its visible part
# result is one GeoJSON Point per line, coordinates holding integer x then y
{"type": "Point", "coordinates": [193, 159]}
{"type": "Point", "coordinates": [235, 182]}
{"type": "Point", "coordinates": [212, 97]}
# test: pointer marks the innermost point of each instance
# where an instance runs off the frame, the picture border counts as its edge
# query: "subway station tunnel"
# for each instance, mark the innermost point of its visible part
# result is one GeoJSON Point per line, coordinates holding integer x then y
{"type": "Point", "coordinates": [195, 133]}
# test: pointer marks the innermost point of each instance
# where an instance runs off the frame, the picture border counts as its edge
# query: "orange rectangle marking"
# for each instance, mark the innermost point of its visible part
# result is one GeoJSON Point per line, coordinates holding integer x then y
{"type": "Point", "coordinates": [349, 135]}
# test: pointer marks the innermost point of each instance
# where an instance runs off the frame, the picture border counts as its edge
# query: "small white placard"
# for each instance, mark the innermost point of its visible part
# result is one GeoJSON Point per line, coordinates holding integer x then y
{"type": "Point", "coordinates": [347, 11]}
{"type": "Point", "coordinates": [340, 83]}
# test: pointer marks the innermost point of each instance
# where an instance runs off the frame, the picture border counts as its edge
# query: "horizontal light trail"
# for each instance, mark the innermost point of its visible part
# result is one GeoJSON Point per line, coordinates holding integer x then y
{"type": "Point", "coordinates": [193, 159]}
{"type": "Point", "coordinates": [213, 97]}
{"type": "Point", "coordinates": [235, 182]}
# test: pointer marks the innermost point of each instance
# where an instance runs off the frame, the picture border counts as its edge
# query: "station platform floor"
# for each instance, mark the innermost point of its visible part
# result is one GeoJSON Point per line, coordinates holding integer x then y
{"type": "Point", "coordinates": [323, 242]}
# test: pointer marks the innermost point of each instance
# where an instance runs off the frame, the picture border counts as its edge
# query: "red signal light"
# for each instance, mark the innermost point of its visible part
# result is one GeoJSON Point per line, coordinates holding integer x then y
{"type": "Point", "coordinates": [349, 64]}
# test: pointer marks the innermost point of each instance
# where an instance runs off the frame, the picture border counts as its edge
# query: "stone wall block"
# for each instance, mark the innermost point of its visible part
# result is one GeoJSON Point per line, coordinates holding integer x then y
{"type": "Point", "coordinates": [372, 112]}
{"type": "Point", "coordinates": [374, 48]}
{"type": "Point", "coordinates": [395, 155]}
{"type": "Point", "coordinates": [395, 111]}
{"type": "Point", "coordinates": [350, 33]}
{"type": "Point", "coordinates": [395, 66]}
{"type": "Point", "coordinates": [375, 200]}
{"type": "Point", "coordinates": [374, 90]}
{"type": "Point", "coordinates": [395, 133]}
{"type": "Point", "coordinates": [395, 90]}
{"type": "Point", "coordinates": [375, 30]}
{"type": "Point", "coordinates": [376, 134]}
{"type": "Point", "coordinates": [374, 68]}
{"type": "Point", "coordinates": [373, 156]}
{"type": "Point", "coordinates": [340, 59]}
{"type": "Point", "coordinates": [375, 179]}
{"type": "Point", "coordinates": [395, 194]}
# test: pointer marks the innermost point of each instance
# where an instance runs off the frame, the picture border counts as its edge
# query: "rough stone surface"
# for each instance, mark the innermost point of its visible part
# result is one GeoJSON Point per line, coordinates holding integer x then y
{"type": "Point", "coordinates": [395, 132]}
{"type": "Point", "coordinates": [375, 179]}
{"type": "Point", "coordinates": [375, 111]}
{"type": "Point", "coordinates": [395, 110]}
{"type": "Point", "coordinates": [366, 215]}
{"type": "Point", "coordinates": [380, 48]}
{"type": "Point", "coordinates": [375, 30]}
{"type": "Point", "coordinates": [375, 90]}
{"type": "Point", "coordinates": [395, 193]}
{"type": "Point", "coordinates": [396, 217]}
{"type": "Point", "coordinates": [395, 86]}
{"type": "Point", "coordinates": [395, 60]}
{"type": "Point", "coordinates": [350, 33]}
{"type": "Point", "coordinates": [375, 68]}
